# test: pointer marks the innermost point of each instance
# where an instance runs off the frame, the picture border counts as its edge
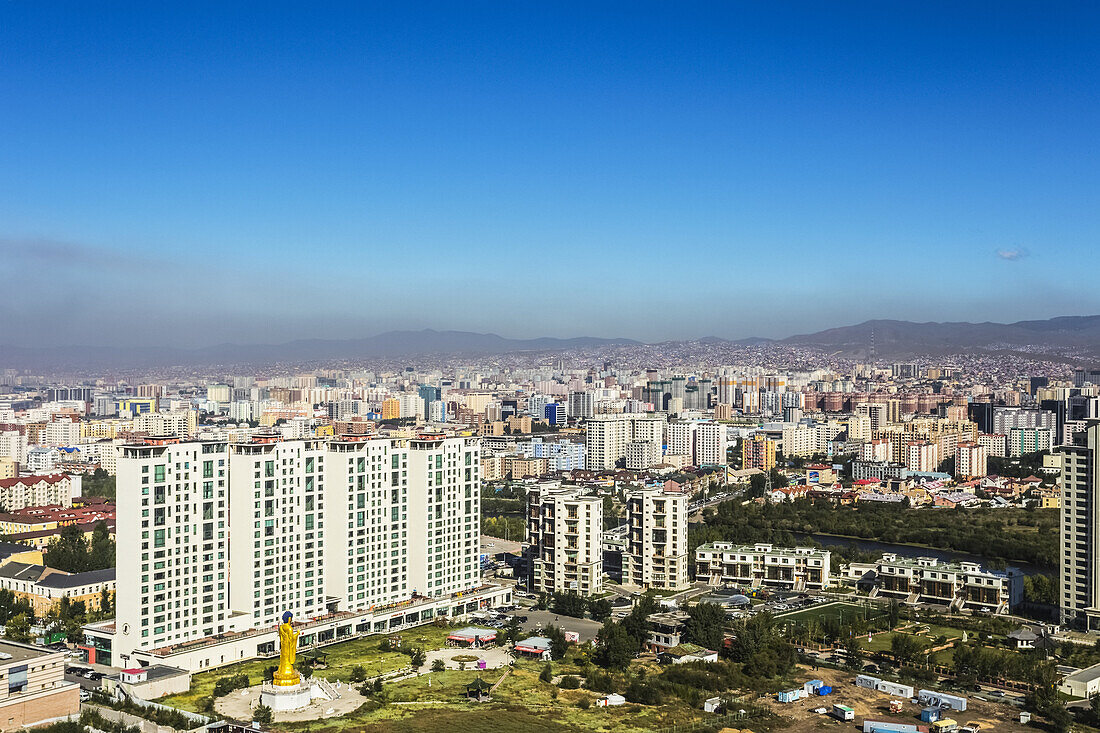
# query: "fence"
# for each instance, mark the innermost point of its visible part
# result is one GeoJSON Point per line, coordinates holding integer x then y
{"type": "Point", "coordinates": [745, 712]}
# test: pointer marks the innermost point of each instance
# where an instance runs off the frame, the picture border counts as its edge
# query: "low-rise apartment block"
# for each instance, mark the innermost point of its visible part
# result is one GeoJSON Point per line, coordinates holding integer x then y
{"type": "Point", "coordinates": [752, 566]}
{"type": "Point", "coordinates": [958, 585]}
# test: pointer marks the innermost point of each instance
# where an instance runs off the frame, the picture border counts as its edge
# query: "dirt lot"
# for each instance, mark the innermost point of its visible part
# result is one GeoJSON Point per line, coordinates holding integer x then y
{"type": "Point", "coordinates": [876, 705]}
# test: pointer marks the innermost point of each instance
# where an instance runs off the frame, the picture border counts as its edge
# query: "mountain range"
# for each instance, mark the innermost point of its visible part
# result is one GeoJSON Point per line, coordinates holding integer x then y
{"type": "Point", "coordinates": [892, 339]}
{"type": "Point", "coordinates": [906, 338]}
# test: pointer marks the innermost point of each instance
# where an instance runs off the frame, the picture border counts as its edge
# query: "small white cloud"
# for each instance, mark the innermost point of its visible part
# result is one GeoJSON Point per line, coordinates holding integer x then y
{"type": "Point", "coordinates": [1012, 254]}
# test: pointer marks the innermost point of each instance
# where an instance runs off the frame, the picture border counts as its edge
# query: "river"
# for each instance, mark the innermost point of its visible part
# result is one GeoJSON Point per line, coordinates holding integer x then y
{"type": "Point", "coordinates": [913, 551]}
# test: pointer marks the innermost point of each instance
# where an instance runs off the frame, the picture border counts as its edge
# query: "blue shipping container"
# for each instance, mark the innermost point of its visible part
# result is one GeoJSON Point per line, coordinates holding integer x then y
{"type": "Point", "coordinates": [824, 690]}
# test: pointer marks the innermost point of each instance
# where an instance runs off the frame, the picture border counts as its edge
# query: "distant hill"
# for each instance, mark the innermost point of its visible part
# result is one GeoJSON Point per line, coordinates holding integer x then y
{"type": "Point", "coordinates": [893, 339]}
{"type": "Point", "coordinates": [386, 345]}
{"type": "Point", "coordinates": [906, 338]}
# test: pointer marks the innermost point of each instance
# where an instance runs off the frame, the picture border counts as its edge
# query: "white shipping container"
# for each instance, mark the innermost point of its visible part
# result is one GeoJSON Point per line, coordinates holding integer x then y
{"type": "Point", "coordinates": [893, 688]}
{"type": "Point", "coordinates": [866, 680]}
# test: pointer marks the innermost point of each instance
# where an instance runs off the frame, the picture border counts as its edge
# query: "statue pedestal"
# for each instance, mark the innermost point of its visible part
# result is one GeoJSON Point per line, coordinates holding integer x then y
{"type": "Point", "coordinates": [285, 697]}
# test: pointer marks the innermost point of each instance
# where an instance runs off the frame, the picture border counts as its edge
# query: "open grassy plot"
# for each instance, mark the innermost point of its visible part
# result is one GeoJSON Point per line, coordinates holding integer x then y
{"type": "Point", "coordinates": [522, 702]}
{"type": "Point", "coordinates": [340, 659]}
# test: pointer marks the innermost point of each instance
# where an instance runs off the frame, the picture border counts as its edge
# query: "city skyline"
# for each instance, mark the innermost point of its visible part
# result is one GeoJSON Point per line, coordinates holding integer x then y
{"type": "Point", "coordinates": [210, 176]}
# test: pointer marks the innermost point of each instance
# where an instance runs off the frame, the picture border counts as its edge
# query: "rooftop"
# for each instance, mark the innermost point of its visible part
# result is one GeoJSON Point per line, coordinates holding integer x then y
{"type": "Point", "coordinates": [74, 580]}
{"type": "Point", "coordinates": [12, 653]}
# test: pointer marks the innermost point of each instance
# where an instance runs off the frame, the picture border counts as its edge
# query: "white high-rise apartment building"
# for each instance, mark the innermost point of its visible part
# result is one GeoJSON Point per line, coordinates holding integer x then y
{"type": "Point", "coordinates": [922, 456]}
{"type": "Point", "coordinates": [1022, 441]}
{"type": "Point", "coordinates": [656, 551]}
{"type": "Point", "coordinates": [704, 442]}
{"type": "Point", "coordinates": [641, 454]}
{"type": "Point", "coordinates": [13, 445]}
{"type": "Point", "coordinates": [172, 543]}
{"type": "Point", "coordinates": [222, 536]}
{"type": "Point", "coordinates": [565, 529]}
{"type": "Point", "coordinates": [607, 437]}
{"type": "Point", "coordinates": [275, 530]}
{"type": "Point", "coordinates": [63, 432]}
{"type": "Point", "coordinates": [681, 438]}
{"type": "Point", "coordinates": [411, 405]}
{"type": "Point", "coordinates": [970, 460]}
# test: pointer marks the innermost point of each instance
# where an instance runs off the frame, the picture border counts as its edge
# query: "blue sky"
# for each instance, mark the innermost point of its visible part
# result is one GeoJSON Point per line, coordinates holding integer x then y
{"type": "Point", "coordinates": [199, 173]}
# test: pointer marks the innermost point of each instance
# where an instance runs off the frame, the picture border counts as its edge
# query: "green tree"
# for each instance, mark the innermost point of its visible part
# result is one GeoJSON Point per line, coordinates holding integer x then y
{"type": "Point", "coordinates": [853, 659]}
{"type": "Point", "coordinates": [568, 604]}
{"type": "Point", "coordinates": [636, 622]}
{"type": "Point", "coordinates": [558, 645]}
{"type": "Point", "coordinates": [69, 552]}
{"type": "Point", "coordinates": [599, 609]}
{"type": "Point", "coordinates": [102, 548]}
{"type": "Point", "coordinates": [98, 483]}
{"type": "Point", "coordinates": [614, 646]}
{"type": "Point", "coordinates": [893, 613]}
{"type": "Point", "coordinates": [18, 629]}
{"type": "Point", "coordinates": [438, 665]}
{"type": "Point", "coordinates": [417, 658]}
{"type": "Point", "coordinates": [905, 648]}
{"type": "Point", "coordinates": [705, 625]}
{"type": "Point", "coordinates": [546, 674]}
{"type": "Point", "coordinates": [263, 715]}
{"type": "Point", "coordinates": [358, 673]}
{"type": "Point", "coordinates": [11, 605]}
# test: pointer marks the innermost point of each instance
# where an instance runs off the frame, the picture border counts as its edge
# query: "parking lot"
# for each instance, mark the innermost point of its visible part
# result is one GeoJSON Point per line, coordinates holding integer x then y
{"type": "Point", "coordinates": [585, 628]}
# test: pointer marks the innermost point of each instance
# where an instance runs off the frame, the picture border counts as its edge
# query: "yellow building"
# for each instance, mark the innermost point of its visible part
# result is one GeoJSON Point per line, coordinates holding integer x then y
{"type": "Point", "coordinates": [1050, 500]}
{"type": "Point", "coordinates": [100, 429]}
{"type": "Point", "coordinates": [391, 409]}
{"type": "Point", "coordinates": [44, 587]}
{"type": "Point", "coordinates": [758, 452]}
{"type": "Point", "coordinates": [8, 468]}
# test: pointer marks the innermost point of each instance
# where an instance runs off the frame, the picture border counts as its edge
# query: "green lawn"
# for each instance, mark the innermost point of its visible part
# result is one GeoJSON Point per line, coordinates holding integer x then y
{"type": "Point", "coordinates": [340, 659]}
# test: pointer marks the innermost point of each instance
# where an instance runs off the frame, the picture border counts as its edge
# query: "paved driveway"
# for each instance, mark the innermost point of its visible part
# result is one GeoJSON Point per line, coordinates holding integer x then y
{"type": "Point", "coordinates": [586, 628]}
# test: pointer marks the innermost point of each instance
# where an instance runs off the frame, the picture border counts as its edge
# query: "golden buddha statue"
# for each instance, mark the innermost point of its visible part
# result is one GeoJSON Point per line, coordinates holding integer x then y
{"type": "Point", "coordinates": [286, 675]}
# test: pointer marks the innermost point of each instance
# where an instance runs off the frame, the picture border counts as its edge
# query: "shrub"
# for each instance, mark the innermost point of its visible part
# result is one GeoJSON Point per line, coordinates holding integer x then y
{"type": "Point", "coordinates": [643, 693]}
{"type": "Point", "coordinates": [225, 685]}
{"type": "Point", "coordinates": [547, 674]}
{"type": "Point", "coordinates": [263, 714]}
{"type": "Point", "coordinates": [584, 703]}
{"type": "Point", "coordinates": [438, 665]}
{"type": "Point", "coordinates": [358, 673]}
{"type": "Point", "coordinates": [599, 682]}
{"type": "Point", "coordinates": [569, 682]}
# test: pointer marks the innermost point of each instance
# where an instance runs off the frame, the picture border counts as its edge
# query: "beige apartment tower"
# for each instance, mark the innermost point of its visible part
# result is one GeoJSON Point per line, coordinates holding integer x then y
{"type": "Point", "coordinates": [565, 527]}
{"type": "Point", "coordinates": [656, 552]}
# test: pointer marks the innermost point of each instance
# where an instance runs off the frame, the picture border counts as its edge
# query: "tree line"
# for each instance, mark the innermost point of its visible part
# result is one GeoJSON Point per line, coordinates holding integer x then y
{"type": "Point", "coordinates": [1022, 535]}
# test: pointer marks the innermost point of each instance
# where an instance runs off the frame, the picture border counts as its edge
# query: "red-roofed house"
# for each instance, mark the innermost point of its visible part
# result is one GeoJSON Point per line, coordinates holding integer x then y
{"type": "Point", "coordinates": [30, 491]}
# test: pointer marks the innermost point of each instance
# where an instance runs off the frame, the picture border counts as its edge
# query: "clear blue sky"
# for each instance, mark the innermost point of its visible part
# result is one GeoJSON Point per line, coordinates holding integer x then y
{"type": "Point", "coordinates": [651, 170]}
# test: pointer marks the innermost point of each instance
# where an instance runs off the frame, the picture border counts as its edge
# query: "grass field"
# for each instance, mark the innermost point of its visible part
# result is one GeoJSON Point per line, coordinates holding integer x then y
{"type": "Point", "coordinates": [340, 660]}
{"type": "Point", "coordinates": [522, 703]}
